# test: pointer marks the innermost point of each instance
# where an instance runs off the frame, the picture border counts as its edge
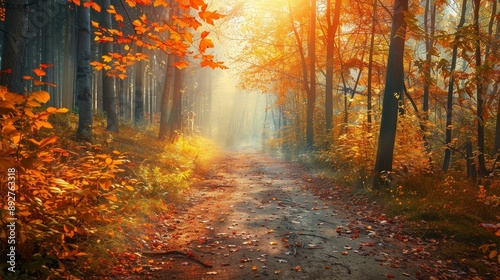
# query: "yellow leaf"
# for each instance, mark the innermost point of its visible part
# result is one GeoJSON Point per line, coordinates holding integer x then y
{"type": "Point", "coordinates": [109, 161]}
{"type": "Point", "coordinates": [106, 58]}
{"type": "Point", "coordinates": [130, 188]}
{"type": "Point", "coordinates": [95, 24]}
{"type": "Point", "coordinates": [112, 198]}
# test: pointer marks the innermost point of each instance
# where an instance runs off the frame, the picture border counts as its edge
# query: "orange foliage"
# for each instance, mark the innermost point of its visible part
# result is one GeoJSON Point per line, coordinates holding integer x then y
{"type": "Point", "coordinates": [151, 35]}
{"type": "Point", "coordinates": [56, 191]}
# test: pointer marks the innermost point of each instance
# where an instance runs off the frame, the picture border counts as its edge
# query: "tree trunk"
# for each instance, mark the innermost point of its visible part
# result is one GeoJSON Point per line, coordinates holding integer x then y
{"type": "Point", "coordinates": [480, 89]}
{"type": "Point", "coordinates": [175, 118]}
{"type": "Point", "coordinates": [108, 83]}
{"type": "Point", "coordinates": [165, 98]}
{"type": "Point", "coordinates": [311, 94]}
{"type": "Point", "coordinates": [305, 80]}
{"type": "Point", "coordinates": [394, 86]}
{"type": "Point", "coordinates": [370, 66]}
{"type": "Point", "coordinates": [84, 97]}
{"type": "Point", "coordinates": [496, 147]}
{"type": "Point", "coordinates": [449, 103]}
{"type": "Point", "coordinates": [14, 44]}
{"type": "Point", "coordinates": [332, 25]}
{"type": "Point", "coordinates": [429, 44]}
{"type": "Point", "coordinates": [139, 92]}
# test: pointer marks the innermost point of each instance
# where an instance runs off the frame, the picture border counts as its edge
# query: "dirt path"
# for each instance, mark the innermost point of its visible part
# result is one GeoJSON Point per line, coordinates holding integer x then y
{"type": "Point", "coordinates": [256, 217]}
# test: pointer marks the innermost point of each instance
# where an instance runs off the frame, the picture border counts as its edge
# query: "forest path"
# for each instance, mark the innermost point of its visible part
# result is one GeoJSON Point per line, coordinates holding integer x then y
{"type": "Point", "coordinates": [254, 216]}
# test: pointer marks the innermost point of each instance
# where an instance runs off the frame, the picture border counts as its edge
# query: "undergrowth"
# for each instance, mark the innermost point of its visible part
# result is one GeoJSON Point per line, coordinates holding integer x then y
{"type": "Point", "coordinates": [81, 207]}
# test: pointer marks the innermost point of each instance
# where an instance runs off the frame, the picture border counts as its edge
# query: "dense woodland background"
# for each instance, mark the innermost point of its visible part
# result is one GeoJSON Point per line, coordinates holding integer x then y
{"type": "Point", "coordinates": [387, 93]}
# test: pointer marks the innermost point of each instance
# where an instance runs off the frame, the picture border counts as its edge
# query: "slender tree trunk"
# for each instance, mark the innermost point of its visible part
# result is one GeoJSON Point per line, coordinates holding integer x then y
{"type": "Point", "coordinates": [175, 118]}
{"type": "Point", "coordinates": [449, 103]}
{"type": "Point", "coordinates": [84, 97]}
{"type": "Point", "coordinates": [305, 80]}
{"type": "Point", "coordinates": [370, 66]}
{"type": "Point", "coordinates": [14, 44]}
{"type": "Point", "coordinates": [165, 98]}
{"type": "Point", "coordinates": [332, 25]}
{"type": "Point", "coordinates": [496, 147]}
{"type": "Point", "coordinates": [311, 94]}
{"type": "Point", "coordinates": [108, 83]}
{"type": "Point", "coordinates": [139, 92]}
{"type": "Point", "coordinates": [480, 90]}
{"type": "Point", "coordinates": [394, 86]}
{"type": "Point", "coordinates": [430, 9]}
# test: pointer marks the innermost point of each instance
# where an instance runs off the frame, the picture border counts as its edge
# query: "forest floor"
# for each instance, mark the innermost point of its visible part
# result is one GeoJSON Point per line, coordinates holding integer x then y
{"type": "Point", "coordinates": [254, 216]}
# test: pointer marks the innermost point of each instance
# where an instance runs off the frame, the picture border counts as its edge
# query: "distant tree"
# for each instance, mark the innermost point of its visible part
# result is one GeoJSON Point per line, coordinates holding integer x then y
{"type": "Point", "coordinates": [429, 15]}
{"type": "Point", "coordinates": [14, 44]}
{"type": "Point", "coordinates": [108, 83]}
{"type": "Point", "coordinates": [332, 26]}
{"type": "Point", "coordinates": [139, 91]}
{"type": "Point", "coordinates": [394, 85]}
{"type": "Point", "coordinates": [165, 97]}
{"type": "Point", "coordinates": [175, 117]}
{"type": "Point", "coordinates": [451, 82]}
{"type": "Point", "coordinates": [83, 94]}
{"type": "Point", "coordinates": [369, 86]}
{"type": "Point", "coordinates": [311, 93]}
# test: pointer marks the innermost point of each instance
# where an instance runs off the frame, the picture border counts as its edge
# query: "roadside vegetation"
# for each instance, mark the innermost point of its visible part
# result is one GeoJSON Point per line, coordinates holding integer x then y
{"type": "Point", "coordinates": [82, 207]}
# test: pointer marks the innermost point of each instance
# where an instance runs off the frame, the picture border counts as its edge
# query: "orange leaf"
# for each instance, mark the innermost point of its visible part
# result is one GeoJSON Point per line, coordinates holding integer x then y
{"type": "Point", "coordinates": [160, 3]}
{"type": "Point", "coordinates": [40, 83]}
{"type": "Point", "coordinates": [47, 141]}
{"type": "Point", "coordinates": [39, 72]}
{"type": "Point", "coordinates": [41, 96]}
{"type": "Point", "coordinates": [204, 34]}
{"type": "Point", "coordinates": [45, 66]}
{"type": "Point", "coordinates": [196, 3]}
{"type": "Point", "coordinates": [209, 17]}
{"type": "Point", "coordinates": [205, 43]}
{"type": "Point", "coordinates": [92, 4]}
{"type": "Point", "coordinates": [181, 64]}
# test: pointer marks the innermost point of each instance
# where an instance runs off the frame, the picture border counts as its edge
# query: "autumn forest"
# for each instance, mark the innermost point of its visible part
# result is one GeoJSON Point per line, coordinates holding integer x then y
{"type": "Point", "coordinates": [212, 139]}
